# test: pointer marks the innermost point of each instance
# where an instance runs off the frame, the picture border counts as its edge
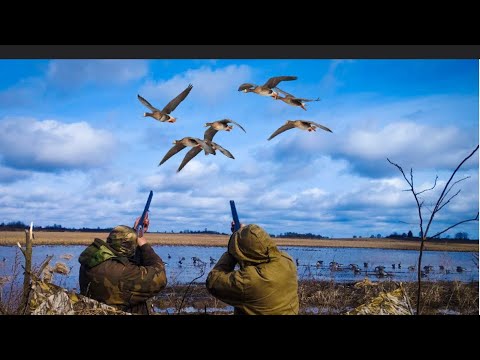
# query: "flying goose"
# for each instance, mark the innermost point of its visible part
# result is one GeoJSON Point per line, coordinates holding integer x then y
{"type": "Point", "coordinates": [220, 125]}
{"type": "Point", "coordinates": [266, 89]}
{"type": "Point", "coordinates": [293, 100]}
{"type": "Point", "coordinates": [300, 124]}
{"type": "Point", "coordinates": [214, 127]}
{"type": "Point", "coordinates": [186, 141]}
{"type": "Point", "coordinates": [164, 114]}
{"type": "Point", "coordinates": [194, 152]}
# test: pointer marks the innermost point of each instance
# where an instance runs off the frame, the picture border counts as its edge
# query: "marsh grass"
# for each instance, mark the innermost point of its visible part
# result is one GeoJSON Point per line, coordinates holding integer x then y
{"type": "Point", "coordinates": [330, 298]}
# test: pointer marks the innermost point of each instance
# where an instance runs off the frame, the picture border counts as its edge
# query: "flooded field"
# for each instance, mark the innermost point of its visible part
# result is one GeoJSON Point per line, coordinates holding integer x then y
{"type": "Point", "coordinates": [314, 263]}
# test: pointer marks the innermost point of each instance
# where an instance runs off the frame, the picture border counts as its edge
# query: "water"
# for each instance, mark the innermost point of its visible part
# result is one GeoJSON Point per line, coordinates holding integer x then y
{"type": "Point", "coordinates": [307, 257]}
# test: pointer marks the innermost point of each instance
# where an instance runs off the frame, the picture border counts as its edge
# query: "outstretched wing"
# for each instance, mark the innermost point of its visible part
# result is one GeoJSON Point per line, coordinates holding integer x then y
{"type": "Point", "coordinates": [307, 100]}
{"type": "Point", "coordinates": [284, 92]}
{"type": "Point", "coordinates": [189, 156]}
{"type": "Point", "coordinates": [174, 103]}
{"type": "Point", "coordinates": [287, 126]}
{"type": "Point", "coordinates": [274, 81]}
{"type": "Point", "coordinates": [320, 126]}
{"type": "Point", "coordinates": [209, 133]}
{"type": "Point", "coordinates": [223, 151]}
{"type": "Point", "coordinates": [175, 149]}
{"type": "Point", "coordinates": [146, 103]}
{"type": "Point", "coordinates": [234, 122]}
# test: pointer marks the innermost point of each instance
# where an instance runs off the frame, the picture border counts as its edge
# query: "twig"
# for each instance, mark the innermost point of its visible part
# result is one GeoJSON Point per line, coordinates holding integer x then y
{"type": "Point", "coordinates": [450, 227]}
{"type": "Point", "coordinates": [185, 293]}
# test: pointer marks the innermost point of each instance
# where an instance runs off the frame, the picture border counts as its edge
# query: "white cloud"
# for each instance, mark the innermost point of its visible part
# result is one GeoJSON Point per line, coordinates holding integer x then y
{"type": "Point", "coordinates": [208, 84]}
{"type": "Point", "coordinates": [50, 145]}
{"type": "Point", "coordinates": [74, 73]}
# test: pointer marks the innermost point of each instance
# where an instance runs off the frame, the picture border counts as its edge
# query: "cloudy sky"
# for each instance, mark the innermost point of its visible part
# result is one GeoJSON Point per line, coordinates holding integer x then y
{"type": "Point", "coordinates": [76, 150]}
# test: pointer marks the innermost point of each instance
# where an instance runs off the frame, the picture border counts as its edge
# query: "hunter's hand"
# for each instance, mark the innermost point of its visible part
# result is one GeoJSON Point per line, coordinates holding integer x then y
{"type": "Point", "coordinates": [233, 226]}
{"type": "Point", "coordinates": [146, 222]}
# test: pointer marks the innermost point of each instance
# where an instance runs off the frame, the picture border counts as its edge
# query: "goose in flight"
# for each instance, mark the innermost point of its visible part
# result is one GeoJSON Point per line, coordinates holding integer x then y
{"type": "Point", "coordinates": [183, 143]}
{"type": "Point", "coordinates": [266, 89]}
{"type": "Point", "coordinates": [194, 152]}
{"type": "Point", "coordinates": [293, 100]}
{"type": "Point", "coordinates": [214, 127]}
{"type": "Point", "coordinates": [219, 125]}
{"type": "Point", "coordinates": [164, 114]}
{"type": "Point", "coordinates": [299, 124]}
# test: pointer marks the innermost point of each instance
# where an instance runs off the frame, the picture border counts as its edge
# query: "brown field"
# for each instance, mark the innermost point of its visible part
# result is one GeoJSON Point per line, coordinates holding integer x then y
{"type": "Point", "coordinates": [84, 238]}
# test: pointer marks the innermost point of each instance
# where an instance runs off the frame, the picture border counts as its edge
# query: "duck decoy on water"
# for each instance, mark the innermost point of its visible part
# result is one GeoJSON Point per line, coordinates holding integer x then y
{"type": "Point", "coordinates": [299, 124]}
{"type": "Point", "coordinates": [164, 114]}
{"type": "Point", "coordinates": [293, 100]}
{"type": "Point", "coordinates": [267, 88]}
{"type": "Point", "coordinates": [183, 143]}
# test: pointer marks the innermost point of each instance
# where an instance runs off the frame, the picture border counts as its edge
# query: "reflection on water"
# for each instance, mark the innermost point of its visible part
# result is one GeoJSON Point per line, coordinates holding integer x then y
{"type": "Point", "coordinates": [185, 263]}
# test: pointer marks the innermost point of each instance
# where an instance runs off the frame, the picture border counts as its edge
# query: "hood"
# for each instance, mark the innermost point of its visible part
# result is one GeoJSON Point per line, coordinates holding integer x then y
{"type": "Point", "coordinates": [96, 253]}
{"type": "Point", "coordinates": [252, 244]}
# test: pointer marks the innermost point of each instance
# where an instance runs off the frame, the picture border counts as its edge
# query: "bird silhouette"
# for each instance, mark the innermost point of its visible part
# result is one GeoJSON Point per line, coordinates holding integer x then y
{"type": "Point", "coordinates": [299, 124]}
{"type": "Point", "coordinates": [213, 128]}
{"type": "Point", "coordinates": [164, 114]}
{"type": "Point", "coordinates": [293, 100]}
{"type": "Point", "coordinates": [267, 88]}
{"type": "Point", "coordinates": [183, 143]}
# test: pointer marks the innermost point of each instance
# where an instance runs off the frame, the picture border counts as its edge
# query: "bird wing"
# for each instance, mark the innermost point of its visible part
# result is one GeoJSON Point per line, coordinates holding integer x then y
{"type": "Point", "coordinates": [209, 133]}
{"type": "Point", "coordinates": [175, 149]}
{"type": "Point", "coordinates": [284, 92]}
{"type": "Point", "coordinates": [274, 81]}
{"type": "Point", "coordinates": [245, 86]}
{"type": "Point", "coordinates": [223, 150]}
{"type": "Point", "coordinates": [320, 126]}
{"type": "Point", "coordinates": [208, 149]}
{"type": "Point", "coordinates": [287, 126]}
{"type": "Point", "coordinates": [307, 100]}
{"type": "Point", "coordinates": [234, 122]}
{"type": "Point", "coordinates": [146, 103]}
{"type": "Point", "coordinates": [177, 100]}
{"type": "Point", "coordinates": [189, 156]}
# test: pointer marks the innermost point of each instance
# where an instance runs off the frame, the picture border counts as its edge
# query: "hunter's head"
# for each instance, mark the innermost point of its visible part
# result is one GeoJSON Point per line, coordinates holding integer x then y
{"type": "Point", "coordinates": [123, 239]}
{"type": "Point", "coordinates": [251, 245]}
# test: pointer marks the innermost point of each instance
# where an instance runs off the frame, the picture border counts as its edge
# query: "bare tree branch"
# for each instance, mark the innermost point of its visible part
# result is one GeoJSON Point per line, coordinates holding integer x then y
{"type": "Point", "coordinates": [446, 187]}
{"type": "Point", "coordinates": [440, 208]}
{"type": "Point", "coordinates": [433, 187]}
{"type": "Point", "coordinates": [451, 227]}
{"type": "Point", "coordinates": [456, 182]}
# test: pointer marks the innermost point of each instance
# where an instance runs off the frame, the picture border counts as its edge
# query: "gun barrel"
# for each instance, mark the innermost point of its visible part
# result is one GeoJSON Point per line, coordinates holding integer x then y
{"type": "Point", "coordinates": [145, 210]}
{"type": "Point", "coordinates": [234, 215]}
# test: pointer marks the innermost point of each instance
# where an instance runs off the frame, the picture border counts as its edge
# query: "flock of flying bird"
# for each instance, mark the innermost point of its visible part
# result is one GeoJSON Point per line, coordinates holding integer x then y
{"type": "Point", "coordinates": [206, 144]}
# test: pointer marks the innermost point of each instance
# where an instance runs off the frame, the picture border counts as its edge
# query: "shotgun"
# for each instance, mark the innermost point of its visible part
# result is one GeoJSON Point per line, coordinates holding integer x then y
{"type": "Point", "coordinates": [139, 228]}
{"type": "Point", "coordinates": [236, 226]}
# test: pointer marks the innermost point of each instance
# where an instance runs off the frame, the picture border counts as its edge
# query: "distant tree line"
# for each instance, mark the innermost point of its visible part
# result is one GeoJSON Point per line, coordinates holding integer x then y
{"type": "Point", "coordinates": [299, 235]}
{"type": "Point", "coordinates": [19, 226]}
{"type": "Point", "coordinates": [202, 232]}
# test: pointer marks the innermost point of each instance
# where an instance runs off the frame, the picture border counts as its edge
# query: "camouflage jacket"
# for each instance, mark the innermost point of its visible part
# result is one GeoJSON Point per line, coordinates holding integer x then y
{"type": "Point", "coordinates": [119, 281]}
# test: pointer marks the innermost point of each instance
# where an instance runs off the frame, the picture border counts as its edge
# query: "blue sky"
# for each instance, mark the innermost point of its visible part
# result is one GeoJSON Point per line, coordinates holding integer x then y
{"type": "Point", "coordinates": [75, 149]}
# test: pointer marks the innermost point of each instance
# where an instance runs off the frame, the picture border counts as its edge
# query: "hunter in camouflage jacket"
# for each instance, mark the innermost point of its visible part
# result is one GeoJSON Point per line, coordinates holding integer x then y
{"type": "Point", "coordinates": [120, 273]}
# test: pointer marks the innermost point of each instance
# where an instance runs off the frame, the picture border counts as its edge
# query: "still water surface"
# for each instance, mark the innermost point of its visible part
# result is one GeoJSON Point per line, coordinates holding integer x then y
{"type": "Point", "coordinates": [183, 271]}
